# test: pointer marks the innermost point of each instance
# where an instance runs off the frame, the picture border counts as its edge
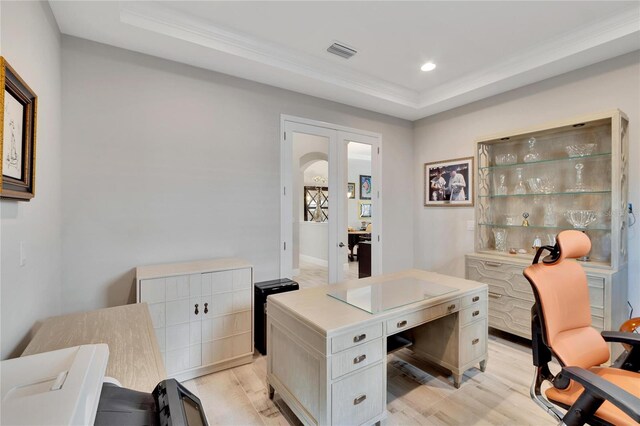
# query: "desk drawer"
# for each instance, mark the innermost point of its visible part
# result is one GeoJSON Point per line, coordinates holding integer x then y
{"type": "Point", "coordinates": [473, 299]}
{"type": "Point", "coordinates": [473, 341]}
{"type": "Point", "coordinates": [355, 358]}
{"type": "Point", "coordinates": [358, 398]}
{"type": "Point", "coordinates": [473, 313]}
{"type": "Point", "coordinates": [404, 321]}
{"type": "Point", "coordinates": [353, 338]}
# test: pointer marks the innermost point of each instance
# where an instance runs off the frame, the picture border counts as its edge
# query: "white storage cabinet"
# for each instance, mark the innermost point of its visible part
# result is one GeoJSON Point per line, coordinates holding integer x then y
{"type": "Point", "coordinates": [202, 314]}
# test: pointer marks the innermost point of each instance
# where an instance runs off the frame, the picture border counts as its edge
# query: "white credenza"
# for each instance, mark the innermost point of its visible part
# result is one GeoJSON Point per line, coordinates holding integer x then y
{"type": "Point", "coordinates": [202, 314]}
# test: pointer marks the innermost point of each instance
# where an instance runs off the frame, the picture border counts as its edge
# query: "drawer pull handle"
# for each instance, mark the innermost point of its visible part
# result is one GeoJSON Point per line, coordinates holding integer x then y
{"type": "Point", "coordinates": [495, 295]}
{"type": "Point", "coordinates": [475, 299]}
{"type": "Point", "coordinates": [475, 313]}
{"type": "Point", "coordinates": [359, 399]}
{"type": "Point", "coordinates": [359, 359]}
{"type": "Point", "coordinates": [359, 338]}
{"type": "Point", "coordinates": [196, 311]}
{"type": "Point", "coordinates": [206, 308]}
{"type": "Point", "coordinates": [475, 341]}
{"type": "Point", "coordinates": [401, 323]}
{"type": "Point", "coordinates": [451, 307]}
{"type": "Point", "coordinates": [494, 264]}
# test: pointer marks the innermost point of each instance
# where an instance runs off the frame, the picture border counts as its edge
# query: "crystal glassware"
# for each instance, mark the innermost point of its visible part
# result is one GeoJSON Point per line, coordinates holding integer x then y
{"type": "Point", "coordinates": [504, 159]}
{"type": "Point", "coordinates": [580, 219]}
{"type": "Point", "coordinates": [520, 186]}
{"type": "Point", "coordinates": [580, 150]}
{"type": "Point", "coordinates": [550, 215]}
{"type": "Point", "coordinates": [502, 188]}
{"type": "Point", "coordinates": [541, 185]}
{"type": "Point", "coordinates": [500, 236]}
{"type": "Point", "coordinates": [579, 186]}
{"type": "Point", "coordinates": [532, 155]}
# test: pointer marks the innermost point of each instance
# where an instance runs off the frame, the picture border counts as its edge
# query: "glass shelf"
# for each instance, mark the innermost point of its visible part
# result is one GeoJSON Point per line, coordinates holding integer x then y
{"type": "Point", "coordinates": [552, 160]}
{"type": "Point", "coordinates": [534, 194]}
{"type": "Point", "coordinates": [590, 228]}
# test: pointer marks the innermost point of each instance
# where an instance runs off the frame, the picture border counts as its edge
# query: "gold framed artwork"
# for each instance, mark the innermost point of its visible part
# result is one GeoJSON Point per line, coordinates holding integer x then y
{"type": "Point", "coordinates": [449, 183]}
{"type": "Point", "coordinates": [19, 105]}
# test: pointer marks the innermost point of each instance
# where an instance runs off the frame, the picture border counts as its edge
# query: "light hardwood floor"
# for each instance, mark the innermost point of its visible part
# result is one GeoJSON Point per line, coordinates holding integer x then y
{"type": "Point", "coordinates": [417, 392]}
{"type": "Point", "coordinates": [312, 275]}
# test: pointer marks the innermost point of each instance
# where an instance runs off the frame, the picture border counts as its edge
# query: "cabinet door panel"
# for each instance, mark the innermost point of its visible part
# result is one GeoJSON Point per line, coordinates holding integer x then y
{"type": "Point", "coordinates": [207, 330]}
{"type": "Point", "coordinates": [222, 303]}
{"type": "Point", "coordinates": [241, 300]}
{"type": "Point", "coordinates": [222, 281]}
{"type": "Point", "coordinates": [177, 287]}
{"type": "Point", "coordinates": [157, 312]}
{"type": "Point", "coordinates": [195, 356]}
{"type": "Point", "coordinates": [152, 291]}
{"type": "Point", "coordinates": [177, 312]}
{"type": "Point", "coordinates": [195, 285]}
{"type": "Point", "coordinates": [177, 336]}
{"type": "Point", "coordinates": [177, 360]}
{"type": "Point", "coordinates": [240, 344]}
{"type": "Point", "coordinates": [195, 332]}
{"type": "Point", "coordinates": [207, 280]}
{"type": "Point", "coordinates": [195, 312]}
{"type": "Point", "coordinates": [207, 307]}
{"type": "Point", "coordinates": [242, 279]}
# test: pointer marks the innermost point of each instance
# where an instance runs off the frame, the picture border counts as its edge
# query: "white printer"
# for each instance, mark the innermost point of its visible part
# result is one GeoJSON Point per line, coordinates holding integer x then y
{"type": "Point", "coordinates": [68, 387]}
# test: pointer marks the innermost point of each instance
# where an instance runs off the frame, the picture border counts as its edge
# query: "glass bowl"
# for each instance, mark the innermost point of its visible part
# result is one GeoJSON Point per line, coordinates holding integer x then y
{"type": "Point", "coordinates": [504, 159]}
{"type": "Point", "coordinates": [581, 149]}
{"type": "Point", "coordinates": [580, 219]}
{"type": "Point", "coordinates": [541, 185]}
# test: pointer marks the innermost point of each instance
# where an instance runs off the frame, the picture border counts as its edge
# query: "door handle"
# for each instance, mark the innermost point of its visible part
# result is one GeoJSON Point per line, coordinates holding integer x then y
{"type": "Point", "coordinates": [341, 244]}
{"type": "Point", "coordinates": [196, 310]}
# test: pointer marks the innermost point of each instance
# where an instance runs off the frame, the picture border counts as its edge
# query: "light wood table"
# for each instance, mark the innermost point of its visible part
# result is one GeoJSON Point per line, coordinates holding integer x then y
{"type": "Point", "coordinates": [134, 356]}
{"type": "Point", "coordinates": [327, 358]}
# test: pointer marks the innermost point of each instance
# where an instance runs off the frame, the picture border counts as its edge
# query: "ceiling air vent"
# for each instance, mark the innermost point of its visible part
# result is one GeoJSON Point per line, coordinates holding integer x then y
{"type": "Point", "coordinates": [341, 50]}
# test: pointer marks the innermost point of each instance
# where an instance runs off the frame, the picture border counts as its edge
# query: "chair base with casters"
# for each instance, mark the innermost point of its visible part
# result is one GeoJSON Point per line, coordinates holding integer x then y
{"type": "Point", "coordinates": [561, 320]}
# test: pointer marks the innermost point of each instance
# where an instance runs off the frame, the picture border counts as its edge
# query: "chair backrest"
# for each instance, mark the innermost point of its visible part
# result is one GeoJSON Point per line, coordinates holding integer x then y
{"type": "Point", "coordinates": [562, 298]}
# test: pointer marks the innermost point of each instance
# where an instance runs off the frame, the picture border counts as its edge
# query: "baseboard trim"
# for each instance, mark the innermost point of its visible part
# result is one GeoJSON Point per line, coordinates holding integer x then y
{"type": "Point", "coordinates": [314, 260]}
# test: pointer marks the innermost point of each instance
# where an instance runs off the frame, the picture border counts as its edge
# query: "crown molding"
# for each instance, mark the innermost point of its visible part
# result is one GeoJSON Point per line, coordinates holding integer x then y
{"type": "Point", "coordinates": [563, 46]}
{"type": "Point", "coordinates": [289, 69]}
{"type": "Point", "coordinates": [158, 18]}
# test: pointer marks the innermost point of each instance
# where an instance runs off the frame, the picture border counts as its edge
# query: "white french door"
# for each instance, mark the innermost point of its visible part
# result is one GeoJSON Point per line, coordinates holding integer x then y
{"type": "Point", "coordinates": [301, 139]}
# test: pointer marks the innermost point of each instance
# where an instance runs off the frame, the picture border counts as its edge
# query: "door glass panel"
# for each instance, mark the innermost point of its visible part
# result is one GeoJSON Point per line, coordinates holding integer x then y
{"type": "Point", "coordinates": [310, 196]}
{"type": "Point", "coordinates": [359, 217]}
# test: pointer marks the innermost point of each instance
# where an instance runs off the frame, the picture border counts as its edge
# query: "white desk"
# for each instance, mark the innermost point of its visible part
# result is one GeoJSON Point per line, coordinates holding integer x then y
{"type": "Point", "coordinates": [327, 359]}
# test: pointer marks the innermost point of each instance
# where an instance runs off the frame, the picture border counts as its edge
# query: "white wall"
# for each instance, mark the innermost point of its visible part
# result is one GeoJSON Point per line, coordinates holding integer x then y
{"type": "Point", "coordinates": [165, 162]}
{"type": "Point", "coordinates": [31, 44]}
{"type": "Point", "coordinates": [441, 236]}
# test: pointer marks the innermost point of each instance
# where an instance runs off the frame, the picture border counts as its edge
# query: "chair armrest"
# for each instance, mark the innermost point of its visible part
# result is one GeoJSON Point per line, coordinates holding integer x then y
{"type": "Point", "coordinates": [629, 338]}
{"type": "Point", "coordinates": [596, 385]}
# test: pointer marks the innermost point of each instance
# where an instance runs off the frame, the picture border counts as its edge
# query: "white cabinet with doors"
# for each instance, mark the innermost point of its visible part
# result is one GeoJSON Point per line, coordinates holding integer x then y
{"type": "Point", "coordinates": [202, 314]}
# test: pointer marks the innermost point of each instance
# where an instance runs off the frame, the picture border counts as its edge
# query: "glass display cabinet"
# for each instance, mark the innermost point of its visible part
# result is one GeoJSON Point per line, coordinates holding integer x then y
{"type": "Point", "coordinates": [534, 183]}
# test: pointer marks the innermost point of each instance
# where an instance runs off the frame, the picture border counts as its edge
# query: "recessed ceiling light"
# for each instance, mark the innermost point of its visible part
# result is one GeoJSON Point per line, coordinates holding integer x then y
{"type": "Point", "coordinates": [429, 66]}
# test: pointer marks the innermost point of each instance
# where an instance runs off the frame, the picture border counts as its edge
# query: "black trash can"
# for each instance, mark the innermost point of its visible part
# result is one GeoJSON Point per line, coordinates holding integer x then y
{"type": "Point", "coordinates": [262, 290]}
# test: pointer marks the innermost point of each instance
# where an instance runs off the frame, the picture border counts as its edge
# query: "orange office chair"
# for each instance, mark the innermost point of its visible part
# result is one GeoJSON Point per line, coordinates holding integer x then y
{"type": "Point", "coordinates": [561, 326]}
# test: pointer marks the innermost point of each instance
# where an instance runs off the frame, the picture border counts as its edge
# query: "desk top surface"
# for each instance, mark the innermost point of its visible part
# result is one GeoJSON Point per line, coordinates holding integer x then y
{"type": "Point", "coordinates": [134, 355]}
{"type": "Point", "coordinates": [329, 316]}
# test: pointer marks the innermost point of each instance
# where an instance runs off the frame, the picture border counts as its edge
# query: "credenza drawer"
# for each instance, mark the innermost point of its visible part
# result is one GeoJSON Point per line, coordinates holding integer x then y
{"type": "Point", "coordinates": [473, 313]}
{"type": "Point", "coordinates": [358, 398]}
{"type": "Point", "coordinates": [404, 321]}
{"type": "Point", "coordinates": [355, 358]}
{"type": "Point", "coordinates": [359, 337]}
{"type": "Point", "coordinates": [473, 341]}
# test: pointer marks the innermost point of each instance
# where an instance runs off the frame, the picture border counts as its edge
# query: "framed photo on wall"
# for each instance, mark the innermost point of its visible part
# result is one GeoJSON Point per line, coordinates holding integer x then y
{"type": "Point", "coordinates": [449, 183]}
{"type": "Point", "coordinates": [365, 187]}
{"type": "Point", "coordinates": [351, 190]}
{"type": "Point", "coordinates": [18, 112]}
{"type": "Point", "coordinates": [364, 209]}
